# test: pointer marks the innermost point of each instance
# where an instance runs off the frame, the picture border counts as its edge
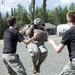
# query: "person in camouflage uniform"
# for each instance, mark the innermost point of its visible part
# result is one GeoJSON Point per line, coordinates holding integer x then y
{"type": "Point", "coordinates": [37, 49]}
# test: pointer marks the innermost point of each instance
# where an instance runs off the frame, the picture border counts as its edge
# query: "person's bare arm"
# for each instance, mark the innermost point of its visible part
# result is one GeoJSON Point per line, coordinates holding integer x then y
{"type": "Point", "coordinates": [57, 48]}
{"type": "Point", "coordinates": [29, 30]}
{"type": "Point", "coordinates": [23, 31]}
{"type": "Point", "coordinates": [31, 39]}
{"type": "Point", "coordinates": [26, 31]}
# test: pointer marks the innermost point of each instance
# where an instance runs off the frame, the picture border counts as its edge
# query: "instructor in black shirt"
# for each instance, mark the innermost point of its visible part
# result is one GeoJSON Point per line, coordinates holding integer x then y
{"type": "Point", "coordinates": [69, 40]}
{"type": "Point", "coordinates": [11, 38]}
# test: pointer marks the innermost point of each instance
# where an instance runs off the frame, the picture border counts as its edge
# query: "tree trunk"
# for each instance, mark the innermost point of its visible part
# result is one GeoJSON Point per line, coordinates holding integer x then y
{"type": "Point", "coordinates": [44, 10]}
{"type": "Point", "coordinates": [33, 9]}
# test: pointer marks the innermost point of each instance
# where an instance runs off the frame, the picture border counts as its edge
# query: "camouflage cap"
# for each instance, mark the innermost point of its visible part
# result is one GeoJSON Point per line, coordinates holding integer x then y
{"type": "Point", "coordinates": [38, 21]}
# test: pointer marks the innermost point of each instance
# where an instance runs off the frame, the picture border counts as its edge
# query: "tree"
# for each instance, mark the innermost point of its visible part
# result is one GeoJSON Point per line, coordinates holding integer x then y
{"type": "Point", "coordinates": [15, 11]}
{"type": "Point", "coordinates": [72, 6]}
{"type": "Point", "coordinates": [1, 26]}
{"type": "Point", "coordinates": [33, 9]}
{"type": "Point", "coordinates": [44, 10]}
{"type": "Point", "coordinates": [5, 25]}
{"type": "Point", "coordinates": [21, 15]}
{"type": "Point", "coordinates": [64, 12]}
{"type": "Point", "coordinates": [59, 14]}
{"type": "Point", "coordinates": [25, 18]}
{"type": "Point", "coordinates": [39, 12]}
{"type": "Point", "coordinates": [30, 12]}
{"type": "Point", "coordinates": [12, 11]}
{"type": "Point", "coordinates": [50, 16]}
{"type": "Point", "coordinates": [55, 16]}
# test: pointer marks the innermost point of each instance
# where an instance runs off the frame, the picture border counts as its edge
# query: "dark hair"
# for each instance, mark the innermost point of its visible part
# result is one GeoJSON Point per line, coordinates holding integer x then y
{"type": "Point", "coordinates": [71, 16]}
{"type": "Point", "coordinates": [43, 24]}
{"type": "Point", "coordinates": [11, 20]}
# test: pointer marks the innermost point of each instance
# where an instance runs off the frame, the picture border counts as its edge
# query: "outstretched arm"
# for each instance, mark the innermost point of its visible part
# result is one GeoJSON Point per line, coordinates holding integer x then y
{"type": "Point", "coordinates": [57, 48]}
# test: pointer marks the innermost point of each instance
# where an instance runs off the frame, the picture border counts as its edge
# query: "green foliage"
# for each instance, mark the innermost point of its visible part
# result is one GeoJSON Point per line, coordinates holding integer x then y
{"type": "Point", "coordinates": [64, 12]}
{"type": "Point", "coordinates": [72, 6]}
{"type": "Point", "coordinates": [1, 25]}
{"type": "Point", "coordinates": [50, 17]}
{"type": "Point", "coordinates": [56, 16]}
{"type": "Point", "coordinates": [21, 15]}
{"type": "Point", "coordinates": [39, 12]}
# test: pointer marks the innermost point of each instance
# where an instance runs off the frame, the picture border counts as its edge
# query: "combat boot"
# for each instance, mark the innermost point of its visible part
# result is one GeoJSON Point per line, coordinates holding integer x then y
{"type": "Point", "coordinates": [34, 69]}
{"type": "Point", "coordinates": [38, 68]}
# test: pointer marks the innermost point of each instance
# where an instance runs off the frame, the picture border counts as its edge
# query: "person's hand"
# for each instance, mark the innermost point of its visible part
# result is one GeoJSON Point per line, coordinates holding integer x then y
{"type": "Point", "coordinates": [32, 26]}
{"type": "Point", "coordinates": [21, 32]}
{"type": "Point", "coordinates": [50, 41]}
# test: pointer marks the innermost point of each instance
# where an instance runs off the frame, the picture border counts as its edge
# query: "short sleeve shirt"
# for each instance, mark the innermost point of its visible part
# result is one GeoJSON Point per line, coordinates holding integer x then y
{"type": "Point", "coordinates": [69, 40]}
{"type": "Point", "coordinates": [11, 38]}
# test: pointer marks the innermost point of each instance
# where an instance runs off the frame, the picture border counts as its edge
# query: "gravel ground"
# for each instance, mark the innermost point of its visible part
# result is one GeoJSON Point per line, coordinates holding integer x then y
{"type": "Point", "coordinates": [52, 65]}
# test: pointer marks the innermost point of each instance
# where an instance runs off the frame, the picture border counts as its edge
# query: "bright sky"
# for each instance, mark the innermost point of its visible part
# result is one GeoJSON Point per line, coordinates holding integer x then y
{"type": "Point", "coordinates": [7, 4]}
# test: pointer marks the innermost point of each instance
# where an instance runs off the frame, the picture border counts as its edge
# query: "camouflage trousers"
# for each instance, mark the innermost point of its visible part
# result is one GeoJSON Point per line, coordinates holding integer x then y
{"type": "Point", "coordinates": [69, 69]}
{"type": "Point", "coordinates": [13, 64]}
{"type": "Point", "coordinates": [37, 52]}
